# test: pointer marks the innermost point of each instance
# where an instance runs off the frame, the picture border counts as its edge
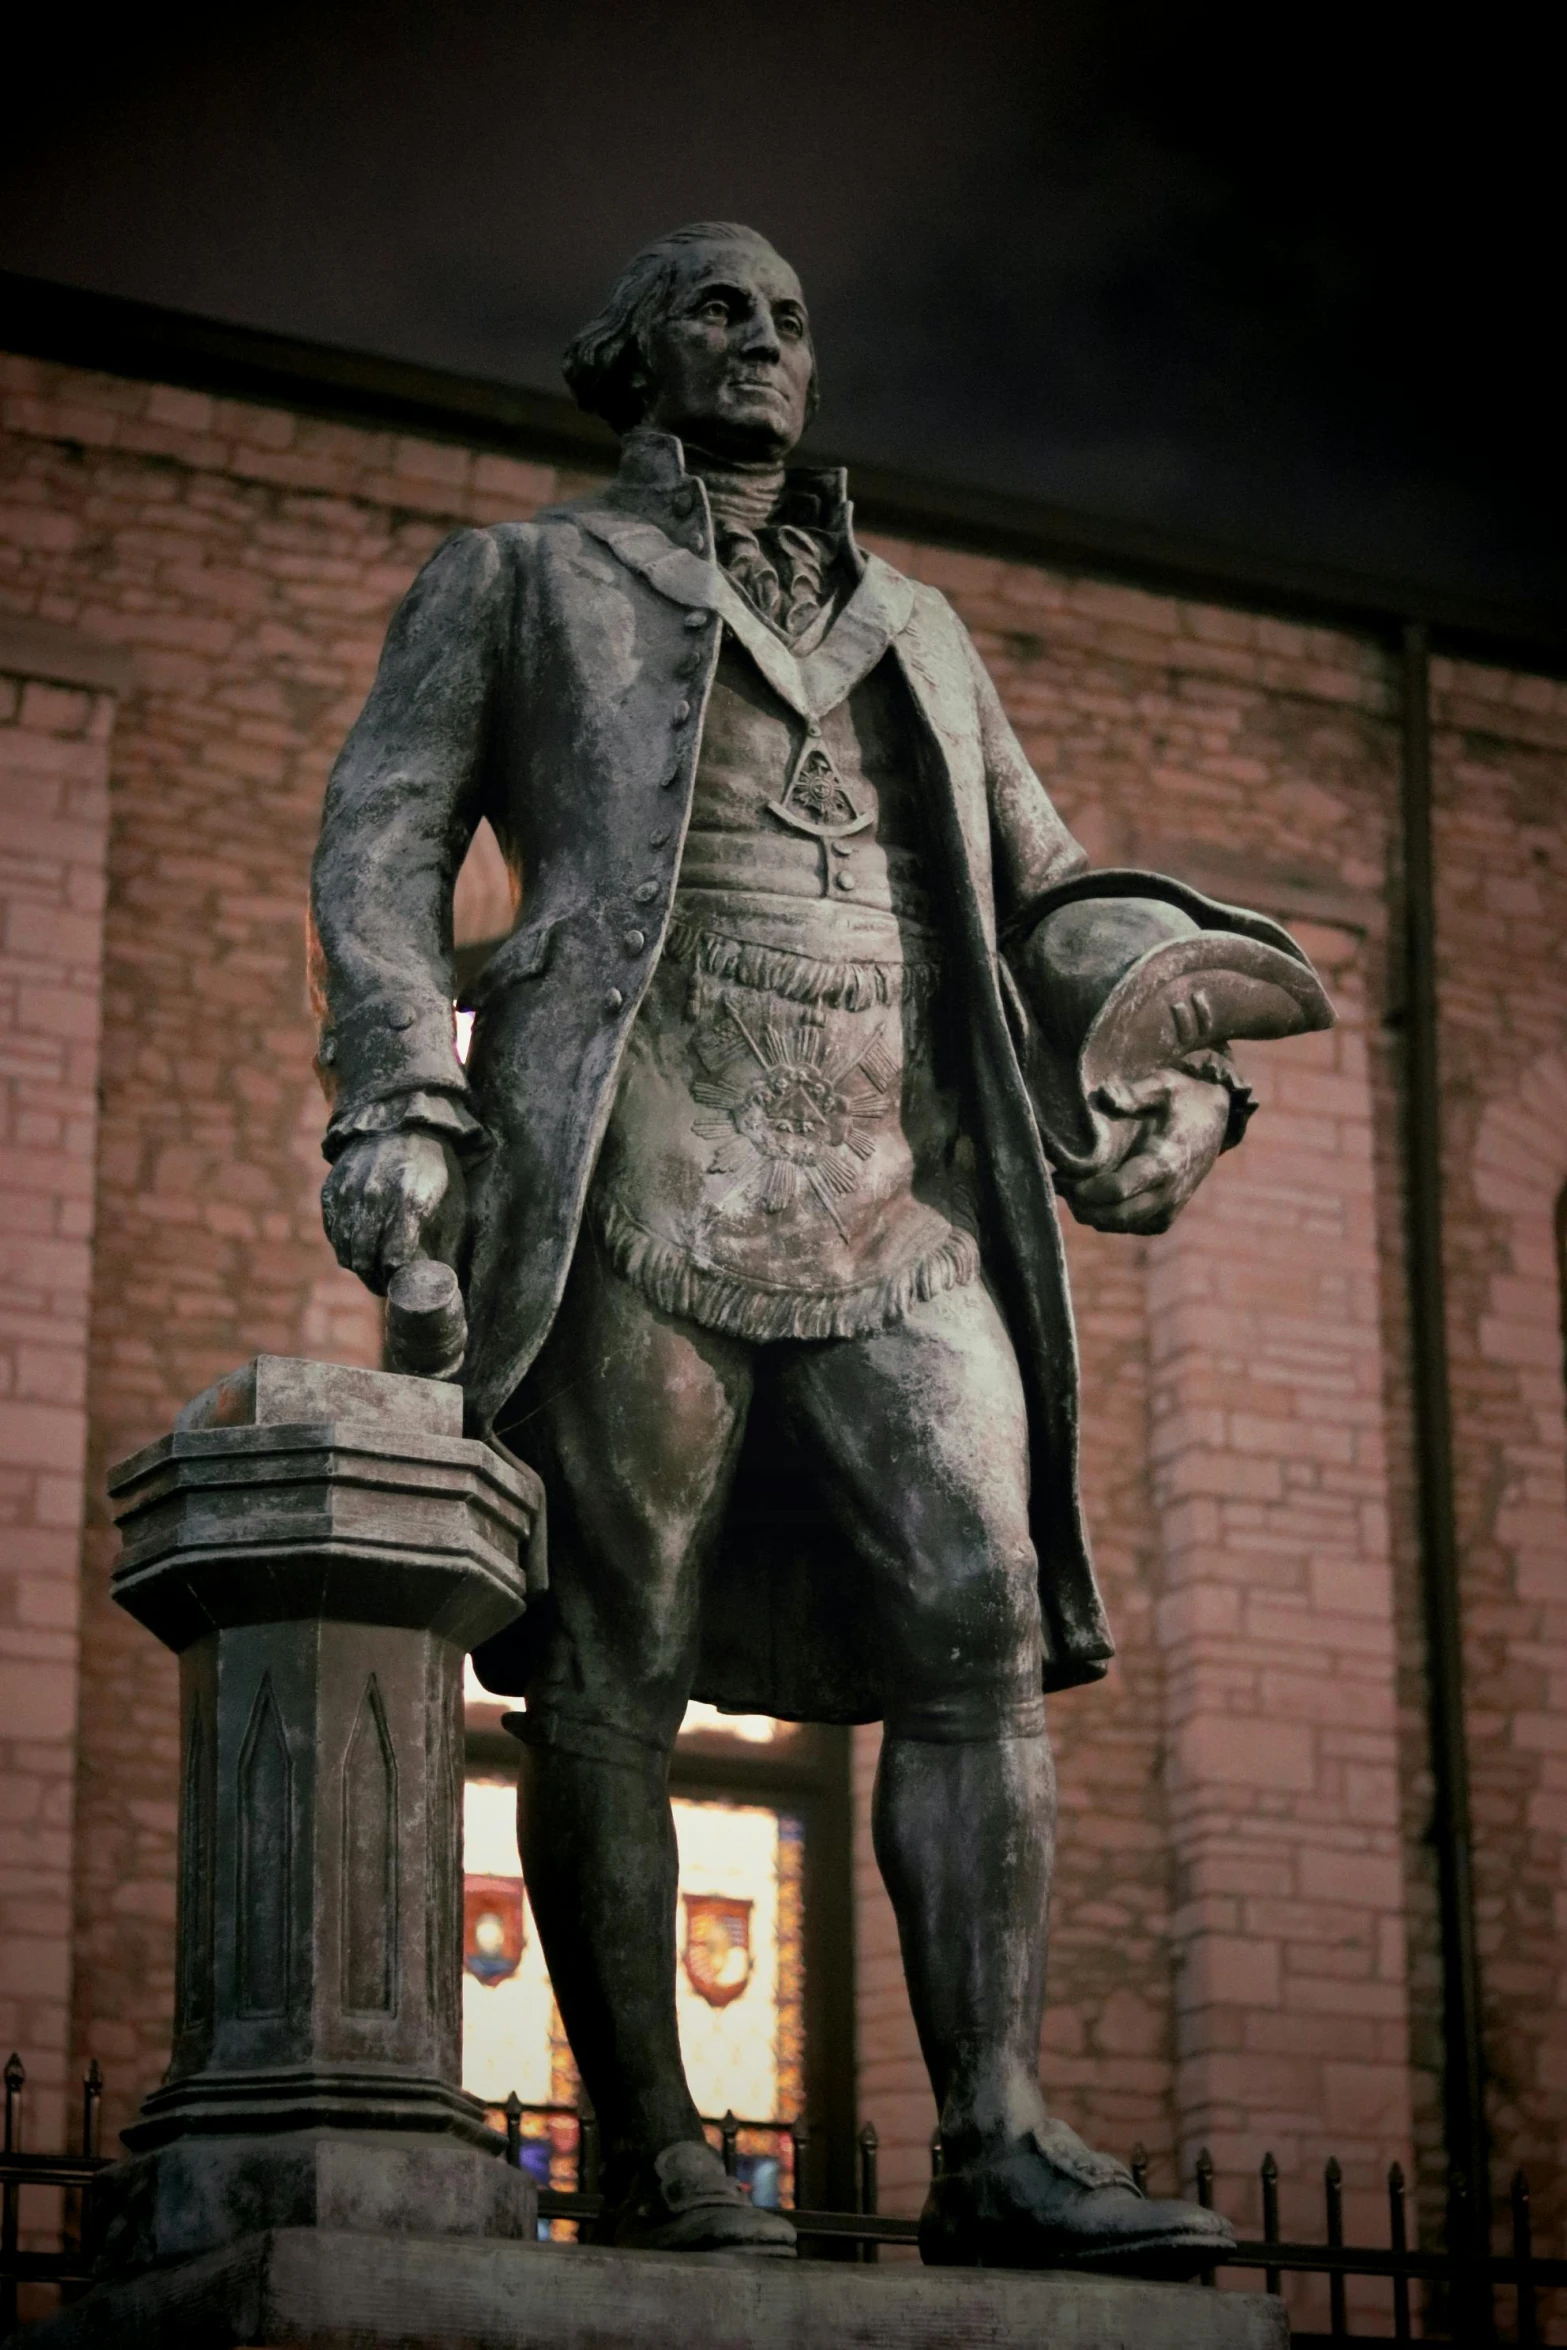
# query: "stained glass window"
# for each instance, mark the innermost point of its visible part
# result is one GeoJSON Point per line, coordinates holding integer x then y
{"type": "Point", "coordinates": [739, 1981]}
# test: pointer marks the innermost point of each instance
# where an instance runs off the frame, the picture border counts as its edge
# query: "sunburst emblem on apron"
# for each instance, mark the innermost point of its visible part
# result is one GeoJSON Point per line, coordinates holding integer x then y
{"type": "Point", "coordinates": [794, 1113]}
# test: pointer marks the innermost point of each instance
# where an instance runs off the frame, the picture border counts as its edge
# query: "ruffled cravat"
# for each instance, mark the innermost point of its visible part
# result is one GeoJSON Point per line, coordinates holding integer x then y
{"type": "Point", "coordinates": [781, 566]}
{"type": "Point", "coordinates": [781, 569]}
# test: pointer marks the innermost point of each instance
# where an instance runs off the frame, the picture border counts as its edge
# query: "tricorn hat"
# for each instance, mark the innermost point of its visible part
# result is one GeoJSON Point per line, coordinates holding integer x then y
{"type": "Point", "coordinates": [1131, 973]}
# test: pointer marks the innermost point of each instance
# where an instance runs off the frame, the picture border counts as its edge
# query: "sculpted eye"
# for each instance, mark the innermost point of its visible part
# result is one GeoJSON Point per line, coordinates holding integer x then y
{"type": "Point", "coordinates": [714, 313]}
{"type": "Point", "coordinates": [791, 325]}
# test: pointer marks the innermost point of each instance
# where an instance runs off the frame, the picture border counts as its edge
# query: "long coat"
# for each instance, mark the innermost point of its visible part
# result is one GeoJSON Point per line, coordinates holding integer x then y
{"type": "Point", "coordinates": [552, 676]}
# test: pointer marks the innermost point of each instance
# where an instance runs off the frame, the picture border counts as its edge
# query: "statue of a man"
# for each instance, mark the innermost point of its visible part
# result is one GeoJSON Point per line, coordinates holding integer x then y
{"type": "Point", "coordinates": [751, 1183]}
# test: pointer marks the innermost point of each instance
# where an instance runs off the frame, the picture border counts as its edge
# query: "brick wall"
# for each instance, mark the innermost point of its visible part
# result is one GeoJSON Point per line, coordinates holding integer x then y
{"type": "Point", "coordinates": [247, 559]}
{"type": "Point", "coordinates": [248, 562]}
{"type": "Point", "coordinates": [1277, 1626]}
{"type": "Point", "coordinates": [1501, 773]}
{"type": "Point", "coordinates": [54, 811]}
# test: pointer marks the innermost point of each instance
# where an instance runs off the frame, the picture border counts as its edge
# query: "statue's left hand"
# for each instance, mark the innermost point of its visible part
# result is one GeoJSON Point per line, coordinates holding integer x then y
{"type": "Point", "coordinates": [1178, 1123]}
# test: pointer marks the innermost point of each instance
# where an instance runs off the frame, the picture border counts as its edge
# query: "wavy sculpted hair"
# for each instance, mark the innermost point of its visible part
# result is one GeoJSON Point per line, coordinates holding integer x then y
{"type": "Point", "coordinates": [605, 365]}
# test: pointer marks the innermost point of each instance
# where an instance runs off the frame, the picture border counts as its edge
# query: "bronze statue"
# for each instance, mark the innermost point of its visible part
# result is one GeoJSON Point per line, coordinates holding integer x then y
{"type": "Point", "coordinates": [810, 1012]}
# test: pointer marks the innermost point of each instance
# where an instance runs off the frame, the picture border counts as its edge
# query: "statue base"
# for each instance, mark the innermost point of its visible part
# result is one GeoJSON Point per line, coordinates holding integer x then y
{"type": "Point", "coordinates": [201, 2195]}
{"type": "Point", "coordinates": [321, 2289]}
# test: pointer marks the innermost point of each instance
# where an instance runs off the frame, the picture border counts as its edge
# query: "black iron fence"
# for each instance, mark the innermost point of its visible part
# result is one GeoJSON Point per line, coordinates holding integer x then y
{"type": "Point", "coordinates": [67, 2262]}
{"type": "Point", "coordinates": [1473, 2293]}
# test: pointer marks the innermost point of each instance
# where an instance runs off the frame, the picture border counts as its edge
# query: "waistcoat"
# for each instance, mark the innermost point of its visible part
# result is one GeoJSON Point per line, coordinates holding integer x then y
{"type": "Point", "coordinates": [786, 1155]}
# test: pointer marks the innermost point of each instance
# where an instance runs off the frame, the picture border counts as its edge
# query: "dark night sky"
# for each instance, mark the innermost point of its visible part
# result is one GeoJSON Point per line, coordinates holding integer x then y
{"type": "Point", "coordinates": [1283, 277]}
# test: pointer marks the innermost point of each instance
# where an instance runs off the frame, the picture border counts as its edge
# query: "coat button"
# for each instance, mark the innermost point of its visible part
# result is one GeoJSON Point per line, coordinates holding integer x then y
{"type": "Point", "coordinates": [845, 879]}
{"type": "Point", "coordinates": [645, 892]}
{"type": "Point", "coordinates": [656, 840]}
{"type": "Point", "coordinates": [633, 941]}
{"type": "Point", "coordinates": [684, 499]}
{"type": "Point", "coordinates": [682, 713]}
{"type": "Point", "coordinates": [698, 618]}
{"type": "Point", "coordinates": [840, 848]}
{"type": "Point", "coordinates": [613, 999]}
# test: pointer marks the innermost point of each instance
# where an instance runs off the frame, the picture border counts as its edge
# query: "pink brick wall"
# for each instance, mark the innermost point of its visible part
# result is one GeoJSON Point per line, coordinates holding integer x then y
{"type": "Point", "coordinates": [1501, 771]}
{"type": "Point", "coordinates": [1277, 1622]}
{"type": "Point", "coordinates": [54, 810]}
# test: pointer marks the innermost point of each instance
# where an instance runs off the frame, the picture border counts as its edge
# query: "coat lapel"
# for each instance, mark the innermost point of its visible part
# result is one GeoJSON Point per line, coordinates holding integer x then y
{"type": "Point", "coordinates": [930, 654]}
{"type": "Point", "coordinates": [877, 611]}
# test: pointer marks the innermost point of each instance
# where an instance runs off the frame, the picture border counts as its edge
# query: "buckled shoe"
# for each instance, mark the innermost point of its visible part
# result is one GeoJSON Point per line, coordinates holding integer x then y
{"type": "Point", "coordinates": [685, 2201]}
{"type": "Point", "coordinates": [1049, 2201]}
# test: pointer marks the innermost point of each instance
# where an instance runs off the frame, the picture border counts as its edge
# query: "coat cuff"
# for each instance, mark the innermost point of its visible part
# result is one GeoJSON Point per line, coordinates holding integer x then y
{"type": "Point", "coordinates": [419, 1111]}
{"type": "Point", "coordinates": [392, 1043]}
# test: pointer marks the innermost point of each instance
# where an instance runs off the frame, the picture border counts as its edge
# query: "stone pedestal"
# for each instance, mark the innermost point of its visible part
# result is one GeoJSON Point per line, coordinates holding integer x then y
{"type": "Point", "coordinates": [311, 2290]}
{"type": "Point", "coordinates": [321, 1546]}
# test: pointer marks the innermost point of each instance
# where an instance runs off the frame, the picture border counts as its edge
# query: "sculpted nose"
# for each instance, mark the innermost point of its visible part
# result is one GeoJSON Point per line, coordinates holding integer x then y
{"type": "Point", "coordinates": [760, 339]}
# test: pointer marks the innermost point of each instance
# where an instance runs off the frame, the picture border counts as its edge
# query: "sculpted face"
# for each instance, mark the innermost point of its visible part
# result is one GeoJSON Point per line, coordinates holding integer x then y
{"type": "Point", "coordinates": [730, 360]}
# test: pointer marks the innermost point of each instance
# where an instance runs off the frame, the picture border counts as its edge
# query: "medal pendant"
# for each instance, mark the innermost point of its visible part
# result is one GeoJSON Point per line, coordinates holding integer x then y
{"type": "Point", "coordinates": [816, 799]}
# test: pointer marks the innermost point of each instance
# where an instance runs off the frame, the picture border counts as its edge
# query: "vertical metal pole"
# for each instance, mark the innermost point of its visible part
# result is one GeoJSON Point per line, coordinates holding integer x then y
{"type": "Point", "coordinates": [799, 2142]}
{"type": "Point", "coordinates": [1333, 2197]}
{"type": "Point", "coordinates": [867, 2198]}
{"type": "Point", "coordinates": [1523, 2254]}
{"type": "Point", "coordinates": [587, 2152]}
{"type": "Point", "coordinates": [92, 2110]}
{"type": "Point", "coordinates": [1398, 2240]}
{"type": "Point", "coordinates": [11, 2195]}
{"type": "Point", "coordinates": [1272, 2280]}
{"type": "Point", "coordinates": [1205, 2198]}
{"type": "Point", "coordinates": [1463, 2084]}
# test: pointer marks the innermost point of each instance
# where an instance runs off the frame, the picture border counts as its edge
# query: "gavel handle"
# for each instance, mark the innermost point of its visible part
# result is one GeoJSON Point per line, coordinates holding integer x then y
{"type": "Point", "coordinates": [426, 1324]}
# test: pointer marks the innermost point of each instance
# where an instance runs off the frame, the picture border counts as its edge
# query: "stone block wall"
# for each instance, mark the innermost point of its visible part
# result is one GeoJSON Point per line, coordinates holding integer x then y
{"type": "Point", "coordinates": [1246, 1454]}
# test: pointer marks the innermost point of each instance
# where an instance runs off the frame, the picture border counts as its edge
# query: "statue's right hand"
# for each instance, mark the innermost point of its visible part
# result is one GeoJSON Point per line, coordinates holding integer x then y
{"type": "Point", "coordinates": [383, 1198]}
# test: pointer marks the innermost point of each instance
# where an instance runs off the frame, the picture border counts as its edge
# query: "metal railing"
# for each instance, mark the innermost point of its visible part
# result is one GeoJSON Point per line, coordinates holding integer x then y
{"type": "Point", "coordinates": [1466, 2282]}
{"type": "Point", "coordinates": [69, 2264]}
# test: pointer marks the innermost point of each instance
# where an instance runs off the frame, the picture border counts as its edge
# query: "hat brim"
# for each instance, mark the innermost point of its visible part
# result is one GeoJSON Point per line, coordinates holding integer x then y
{"type": "Point", "coordinates": [1186, 996]}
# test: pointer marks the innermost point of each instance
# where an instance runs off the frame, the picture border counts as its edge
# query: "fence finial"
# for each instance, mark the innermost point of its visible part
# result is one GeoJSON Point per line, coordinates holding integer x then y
{"type": "Point", "coordinates": [15, 2082]}
{"type": "Point", "coordinates": [868, 2194]}
{"type": "Point", "coordinates": [799, 2143]}
{"type": "Point", "coordinates": [92, 2109]}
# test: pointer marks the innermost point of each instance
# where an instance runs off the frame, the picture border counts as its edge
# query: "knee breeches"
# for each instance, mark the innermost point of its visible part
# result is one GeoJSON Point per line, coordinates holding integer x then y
{"type": "Point", "coordinates": [916, 1439]}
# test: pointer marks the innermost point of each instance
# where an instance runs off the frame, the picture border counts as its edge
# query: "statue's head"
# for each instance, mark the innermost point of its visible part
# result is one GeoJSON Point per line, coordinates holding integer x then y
{"type": "Point", "coordinates": [705, 334]}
